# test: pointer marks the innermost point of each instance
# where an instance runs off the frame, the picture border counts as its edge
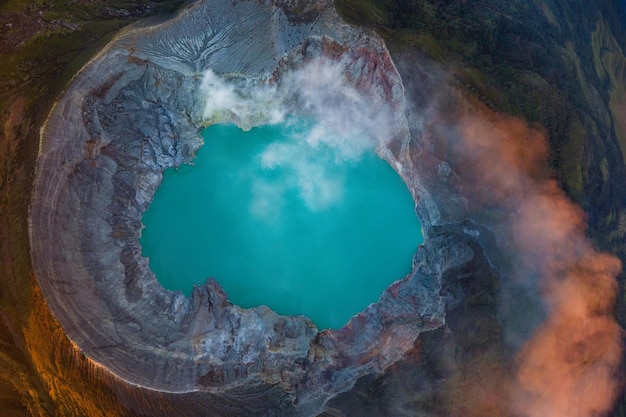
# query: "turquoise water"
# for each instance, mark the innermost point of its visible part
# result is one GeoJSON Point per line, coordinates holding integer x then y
{"type": "Point", "coordinates": [283, 219]}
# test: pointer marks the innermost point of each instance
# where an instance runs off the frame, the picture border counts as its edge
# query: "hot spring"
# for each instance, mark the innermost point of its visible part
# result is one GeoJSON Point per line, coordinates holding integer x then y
{"type": "Point", "coordinates": [281, 216]}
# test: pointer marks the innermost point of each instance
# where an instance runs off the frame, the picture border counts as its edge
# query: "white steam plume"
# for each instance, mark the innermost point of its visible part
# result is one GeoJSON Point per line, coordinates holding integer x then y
{"type": "Point", "coordinates": [335, 121]}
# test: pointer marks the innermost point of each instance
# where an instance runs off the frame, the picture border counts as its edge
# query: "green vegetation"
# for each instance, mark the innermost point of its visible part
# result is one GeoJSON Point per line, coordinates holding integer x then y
{"type": "Point", "coordinates": [55, 38]}
{"type": "Point", "coordinates": [572, 152]}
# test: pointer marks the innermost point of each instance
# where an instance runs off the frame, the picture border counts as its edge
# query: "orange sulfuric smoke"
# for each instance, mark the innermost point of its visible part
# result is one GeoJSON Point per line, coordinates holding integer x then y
{"type": "Point", "coordinates": [570, 366]}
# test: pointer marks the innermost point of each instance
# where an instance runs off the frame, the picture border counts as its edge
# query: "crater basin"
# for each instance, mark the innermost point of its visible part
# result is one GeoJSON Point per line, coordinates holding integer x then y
{"type": "Point", "coordinates": [284, 215]}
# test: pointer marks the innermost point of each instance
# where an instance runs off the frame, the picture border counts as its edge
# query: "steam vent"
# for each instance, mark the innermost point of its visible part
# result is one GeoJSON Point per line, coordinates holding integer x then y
{"type": "Point", "coordinates": [138, 107]}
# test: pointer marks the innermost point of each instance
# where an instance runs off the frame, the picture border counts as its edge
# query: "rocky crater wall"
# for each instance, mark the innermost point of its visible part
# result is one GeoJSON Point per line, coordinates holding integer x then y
{"type": "Point", "coordinates": [135, 110]}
